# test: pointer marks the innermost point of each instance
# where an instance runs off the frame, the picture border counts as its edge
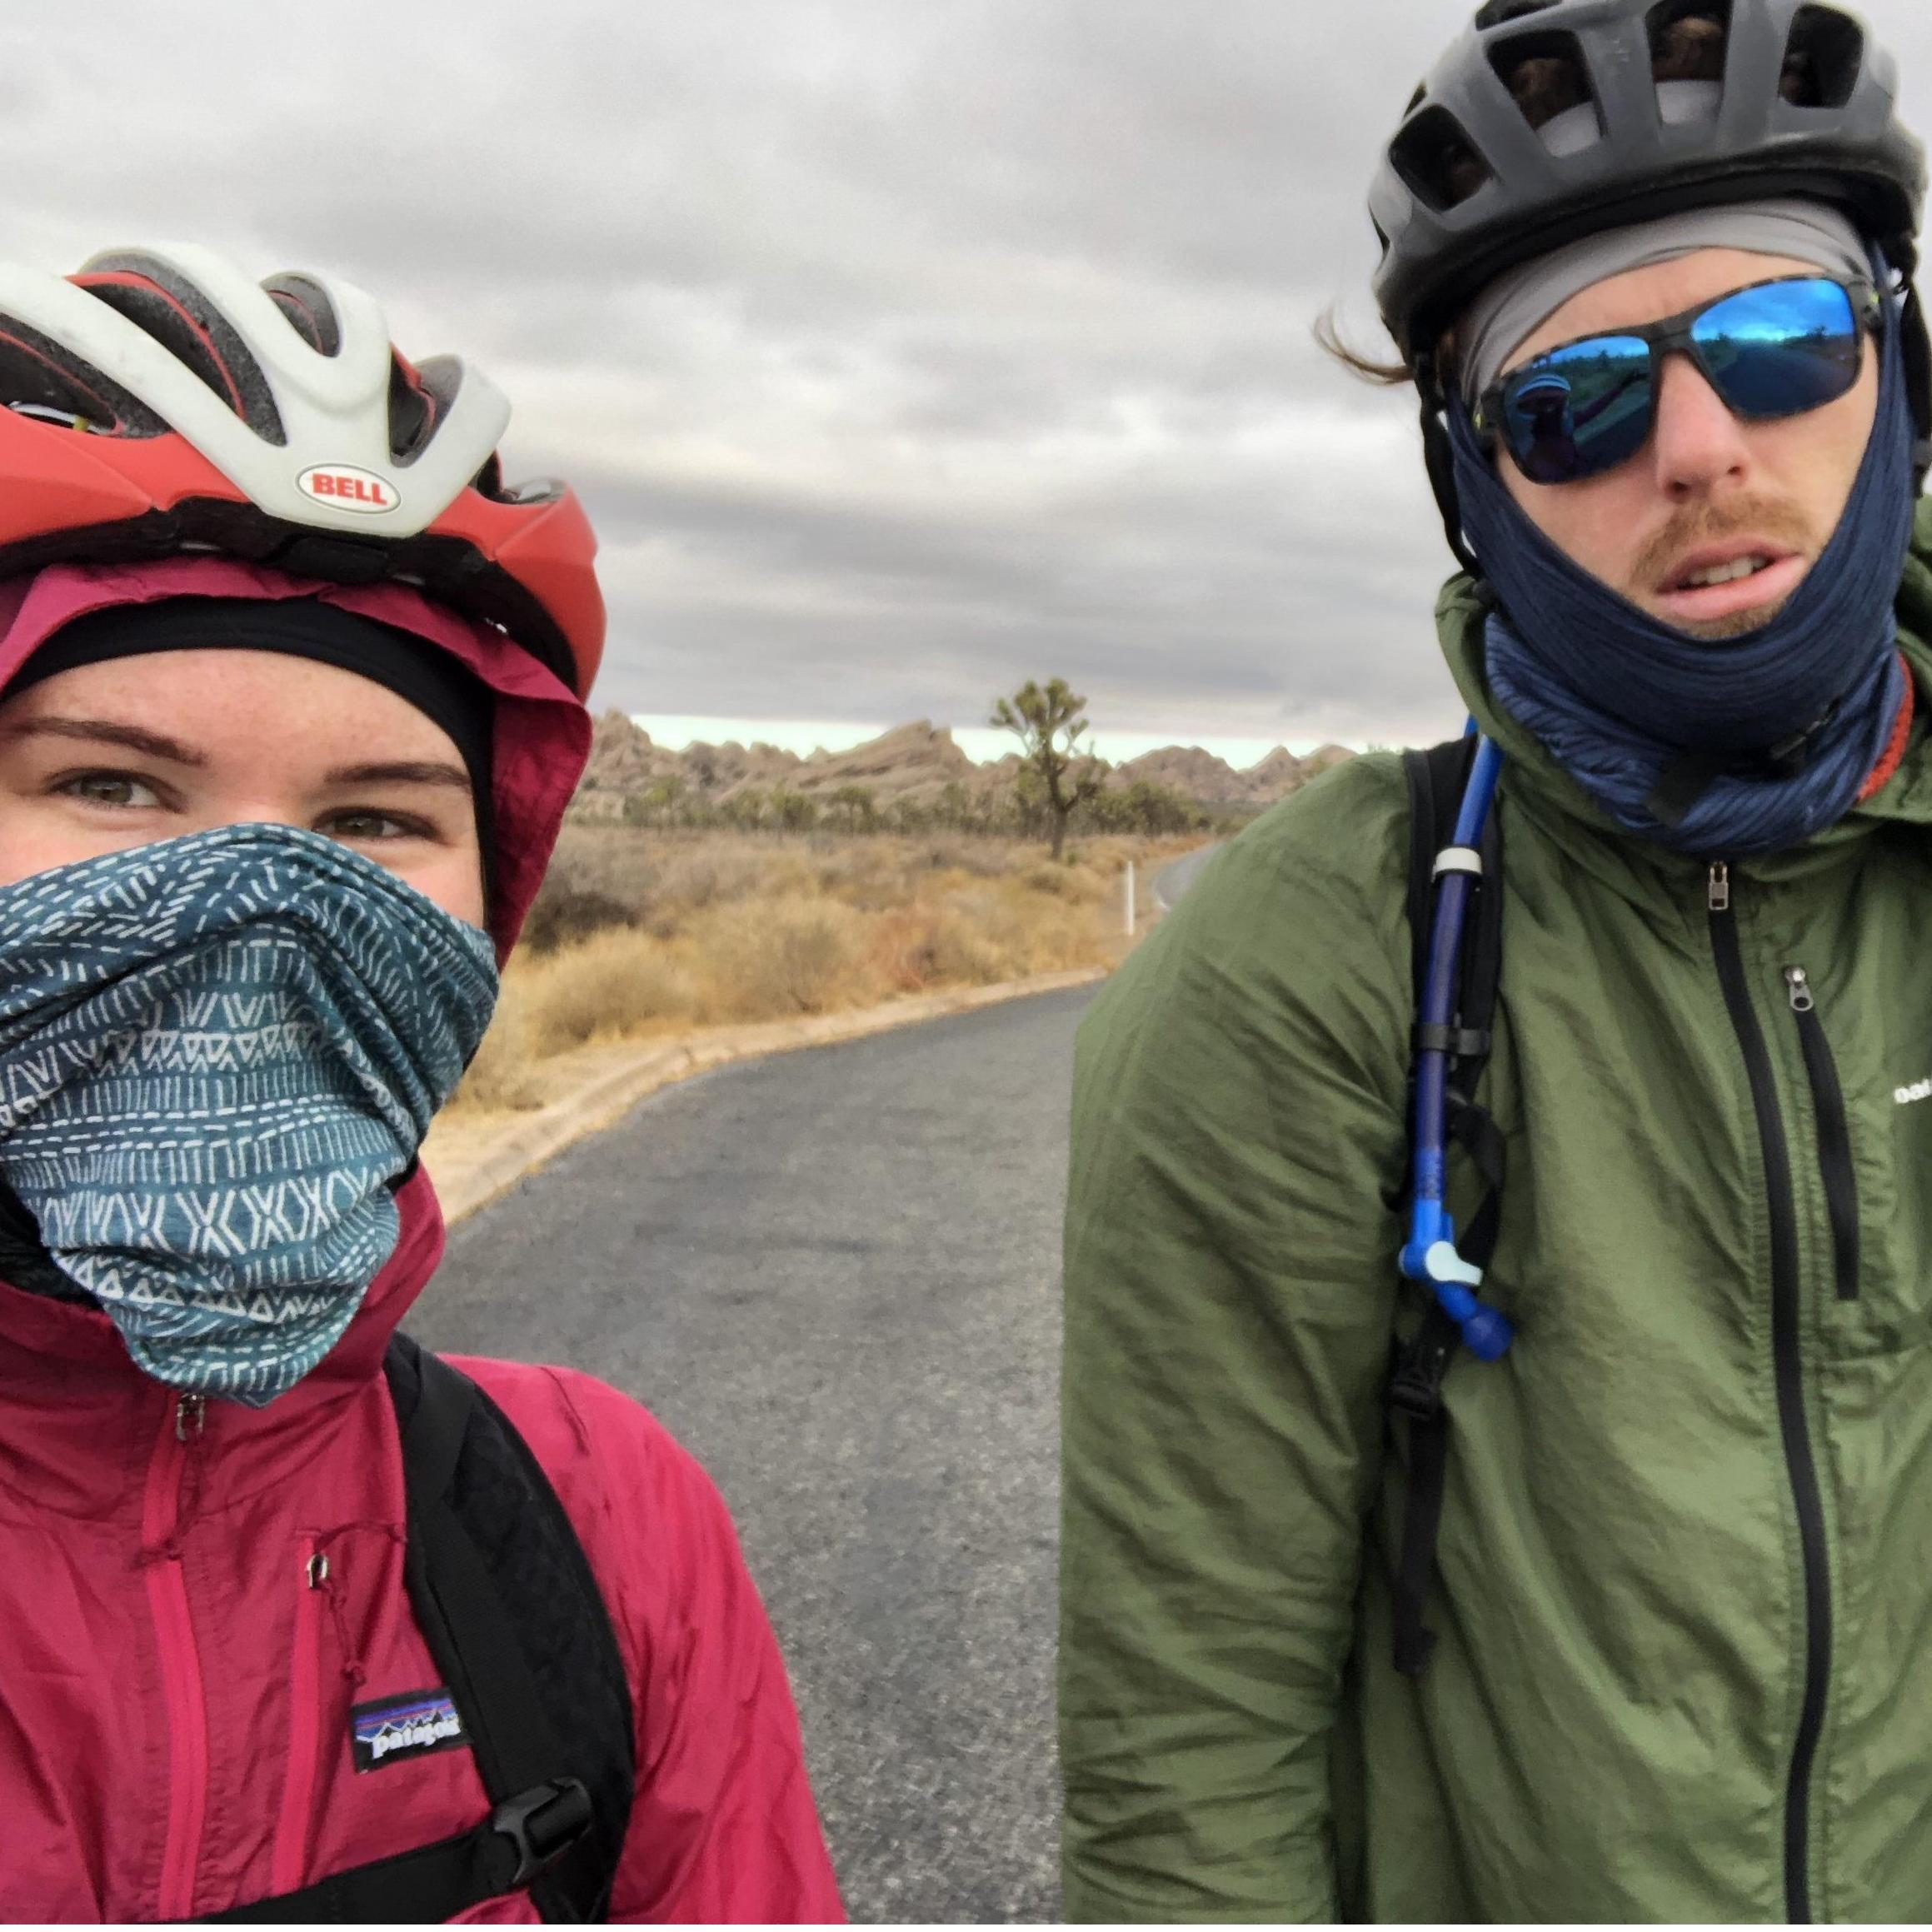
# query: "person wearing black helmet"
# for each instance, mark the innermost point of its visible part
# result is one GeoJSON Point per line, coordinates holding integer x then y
{"type": "Point", "coordinates": [1498, 1409]}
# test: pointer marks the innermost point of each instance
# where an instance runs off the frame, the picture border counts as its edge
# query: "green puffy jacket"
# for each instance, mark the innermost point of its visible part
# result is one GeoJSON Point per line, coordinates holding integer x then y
{"type": "Point", "coordinates": [1684, 1596]}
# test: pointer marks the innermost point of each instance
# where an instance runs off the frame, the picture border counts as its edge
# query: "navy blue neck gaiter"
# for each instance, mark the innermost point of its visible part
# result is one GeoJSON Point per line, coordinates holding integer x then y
{"type": "Point", "coordinates": [1775, 731]}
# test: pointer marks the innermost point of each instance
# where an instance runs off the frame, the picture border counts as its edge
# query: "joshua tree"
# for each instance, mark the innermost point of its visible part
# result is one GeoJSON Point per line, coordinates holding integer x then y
{"type": "Point", "coordinates": [793, 810]}
{"type": "Point", "coordinates": [659, 805]}
{"type": "Point", "coordinates": [854, 807]}
{"type": "Point", "coordinates": [1048, 723]}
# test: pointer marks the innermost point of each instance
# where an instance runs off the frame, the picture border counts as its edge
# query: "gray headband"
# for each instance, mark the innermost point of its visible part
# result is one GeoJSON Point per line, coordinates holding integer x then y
{"type": "Point", "coordinates": [1515, 305]}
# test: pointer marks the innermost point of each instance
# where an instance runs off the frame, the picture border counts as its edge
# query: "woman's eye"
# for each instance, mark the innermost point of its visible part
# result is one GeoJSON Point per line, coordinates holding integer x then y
{"type": "Point", "coordinates": [362, 827]}
{"type": "Point", "coordinates": [110, 788]}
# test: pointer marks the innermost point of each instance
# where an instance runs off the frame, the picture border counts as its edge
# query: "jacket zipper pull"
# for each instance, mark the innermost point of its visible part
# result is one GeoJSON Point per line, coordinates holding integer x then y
{"type": "Point", "coordinates": [191, 1416]}
{"type": "Point", "coordinates": [318, 1571]}
{"type": "Point", "coordinates": [1720, 887]}
{"type": "Point", "coordinates": [1799, 988]}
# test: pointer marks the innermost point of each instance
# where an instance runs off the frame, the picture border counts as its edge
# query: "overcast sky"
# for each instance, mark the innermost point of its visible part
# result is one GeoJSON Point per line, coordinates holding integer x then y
{"type": "Point", "coordinates": [903, 349]}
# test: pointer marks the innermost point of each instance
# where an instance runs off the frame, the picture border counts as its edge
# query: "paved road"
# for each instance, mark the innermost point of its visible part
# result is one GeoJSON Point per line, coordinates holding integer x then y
{"type": "Point", "coordinates": [835, 1276]}
{"type": "Point", "coordinates": [1171, 881]}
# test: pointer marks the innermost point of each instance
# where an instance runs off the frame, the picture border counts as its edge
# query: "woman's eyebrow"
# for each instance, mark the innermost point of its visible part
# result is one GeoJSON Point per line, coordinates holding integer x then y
{"type": "Point", "coordinates": [403, 772]}
{"type": "Point", "coordinates": [107, 732]}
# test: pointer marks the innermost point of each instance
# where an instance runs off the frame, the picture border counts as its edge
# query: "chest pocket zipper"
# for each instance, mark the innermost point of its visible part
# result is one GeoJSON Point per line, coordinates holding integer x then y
{"type": "Point", "coordinates": [1833, 1132]}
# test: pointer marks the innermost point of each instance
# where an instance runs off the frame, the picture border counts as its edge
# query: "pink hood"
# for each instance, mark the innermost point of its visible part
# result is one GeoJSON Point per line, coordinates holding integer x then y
{"type": "Point", "coordinates": [542, 732]}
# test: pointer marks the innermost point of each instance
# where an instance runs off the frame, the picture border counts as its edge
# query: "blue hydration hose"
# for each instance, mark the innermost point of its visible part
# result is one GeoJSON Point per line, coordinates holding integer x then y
{"type": "Point", "coordinates": [1430, 1254]}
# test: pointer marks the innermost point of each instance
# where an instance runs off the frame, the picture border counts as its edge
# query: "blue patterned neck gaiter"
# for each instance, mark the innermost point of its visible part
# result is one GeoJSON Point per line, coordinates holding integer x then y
{"type": "Point", "coordinates": [1623, 701]}
{"type": "Point", "coordinates": [215, 1054]}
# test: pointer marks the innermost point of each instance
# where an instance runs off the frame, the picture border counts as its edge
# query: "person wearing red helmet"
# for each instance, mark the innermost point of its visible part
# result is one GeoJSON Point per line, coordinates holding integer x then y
{"type": "Point", "coordinates": [296, 1620]}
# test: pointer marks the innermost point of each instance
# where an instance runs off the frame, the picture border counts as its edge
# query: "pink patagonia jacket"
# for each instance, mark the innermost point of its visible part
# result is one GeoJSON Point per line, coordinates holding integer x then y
{"type": "Point", "coordinates": [189, 1614]}
{"type": "Point", "coordinates": [193, 1600]}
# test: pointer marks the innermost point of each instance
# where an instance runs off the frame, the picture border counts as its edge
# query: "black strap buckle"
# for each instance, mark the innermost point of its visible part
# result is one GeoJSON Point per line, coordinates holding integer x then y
{"type": "Point", "coordinates": [543, 1823]}
{"type": "Point", "coordinates": [1415, 1388]}
{"type": "Point", "coordinates": [341, 557]}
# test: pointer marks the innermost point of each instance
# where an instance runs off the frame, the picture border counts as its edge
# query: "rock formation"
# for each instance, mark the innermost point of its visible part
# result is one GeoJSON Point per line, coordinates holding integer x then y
{"type": "Point", "coordinates": [916, 762]}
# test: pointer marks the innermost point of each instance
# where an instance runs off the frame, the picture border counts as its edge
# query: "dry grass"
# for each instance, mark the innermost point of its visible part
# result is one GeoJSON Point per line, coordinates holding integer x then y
{"type": "Point", "coordinates": [644, 933]}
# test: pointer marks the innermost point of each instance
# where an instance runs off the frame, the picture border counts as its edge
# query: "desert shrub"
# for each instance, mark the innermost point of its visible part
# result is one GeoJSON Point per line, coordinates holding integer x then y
{"type": "Point", "coordinates": [784, 956]}
{"type": "Point", "coordinates": [564, 915]}
{"type": "Point", "coordinates": [690, 883]}
{"type": "Point", "coordinates": [963, 953]}
{"type": "Point", "coordinates": [692, 878]}
{"type": "Point", "coordinates": [918, 947]}
{"type": "Point", "coordinates": [871, 875]}
{"type": "Point", "coordinates": [899, 950]}
{"type": "Point", "coordinates": [1073, 884]}
{"type": "Point", "coordinates": [960, 854]}
{"type": "Point", "coordinates": [502, 1077]}
{"type": "Point", "coordinates": [717, 871]}
{"type": "Point", "coordinates": [1056, 882]}
{"type": "Point", "coordinates": [614, 984]}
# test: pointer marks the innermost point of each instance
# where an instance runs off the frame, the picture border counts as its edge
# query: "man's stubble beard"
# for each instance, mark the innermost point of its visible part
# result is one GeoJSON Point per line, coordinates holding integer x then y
{"type": "Point", "coordinates": [1759, 516]}
{"type": "Point", "coordinates": [1740, 624]}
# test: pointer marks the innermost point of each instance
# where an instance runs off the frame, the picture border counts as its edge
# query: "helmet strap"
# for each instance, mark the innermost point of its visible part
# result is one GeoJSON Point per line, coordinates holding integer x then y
{"type": "Point", "coordinates": [1916, 345]}
{"type": "Point", "coordinates": [1439, 456]}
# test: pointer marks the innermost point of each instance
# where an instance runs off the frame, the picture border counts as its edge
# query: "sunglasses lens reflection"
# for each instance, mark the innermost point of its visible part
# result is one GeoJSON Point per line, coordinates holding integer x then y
{"type": "Point", "coordinates": [1776, 350]}
{"type": "Point", "coordinates": [1580, 409]}
{"type": "Point", "coordinates": [1780, 350]}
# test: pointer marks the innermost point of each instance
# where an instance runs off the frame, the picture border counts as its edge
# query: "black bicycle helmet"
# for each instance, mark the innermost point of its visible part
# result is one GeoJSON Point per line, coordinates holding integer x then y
{"type": "Point", "coordinates": [1476, 181]}
{"type": "Point", "coordinates": [1548, 120]}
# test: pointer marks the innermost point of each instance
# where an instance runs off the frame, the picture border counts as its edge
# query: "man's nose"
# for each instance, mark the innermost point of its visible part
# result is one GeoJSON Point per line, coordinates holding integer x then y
{"type": "Point", "coordinates": [1698, 445]}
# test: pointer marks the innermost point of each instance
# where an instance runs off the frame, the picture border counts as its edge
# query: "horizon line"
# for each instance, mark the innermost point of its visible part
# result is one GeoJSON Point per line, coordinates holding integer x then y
{"type": "Point", "coordinates": [984, 744]}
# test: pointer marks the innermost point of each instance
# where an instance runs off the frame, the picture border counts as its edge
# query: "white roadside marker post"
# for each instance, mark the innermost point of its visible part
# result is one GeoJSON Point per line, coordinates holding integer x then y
{"type": "Point", "coordinates": [1129, 896]}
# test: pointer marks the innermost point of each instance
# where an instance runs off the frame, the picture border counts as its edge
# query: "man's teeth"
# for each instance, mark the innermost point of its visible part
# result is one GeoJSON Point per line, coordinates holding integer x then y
{"type": "Point", "coordinates": [1726, 573]}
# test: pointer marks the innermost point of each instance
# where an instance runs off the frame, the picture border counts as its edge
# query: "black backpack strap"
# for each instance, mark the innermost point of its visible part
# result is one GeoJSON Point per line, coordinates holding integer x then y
{"type": "Point", "coordinates": [514, 1618]}
{"type": "Point", "coordinates": [512, 1614]}
{"type": "Point", "coordinates": [434, 1882]}
{"type": "Point", "coordinates": [1415, 1391]}
{"type": "Point", "coordinates": [1437, 779]}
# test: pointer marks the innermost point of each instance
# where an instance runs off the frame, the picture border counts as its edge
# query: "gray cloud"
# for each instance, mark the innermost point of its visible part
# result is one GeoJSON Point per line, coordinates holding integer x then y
{"type": "Point", "coordinates": [901, 352]}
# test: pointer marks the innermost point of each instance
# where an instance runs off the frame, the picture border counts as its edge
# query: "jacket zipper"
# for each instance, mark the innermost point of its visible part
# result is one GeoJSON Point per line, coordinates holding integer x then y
{"type": "Point", "coordinates": [1799, 1465]}
{"type": "Point", "coordinates": [1834, 1133]}
{"type": "Point", "coordinates": [182, 1689]}
{"type": "Point", "coordinates": [290, 1854]}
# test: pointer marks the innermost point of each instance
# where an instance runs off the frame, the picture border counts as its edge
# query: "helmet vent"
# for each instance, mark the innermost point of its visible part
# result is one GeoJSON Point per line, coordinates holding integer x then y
{"type": "Point", "coordinates": [415, 409]}
{"type": "Point", "coordinates": [42, 380]}
{"type": "Point", "coordinates": [1501, 12]}
{"type": "Point", "coordinates": [1687, 39]}
{"type": "Point", "coordinates": [310, 314]}
{"type": "Point", "coordinates": [1823, 59]}
{"type": "Point", "coordinates": [164, 304]}
{"type": "Point", "coordinates": [1435, 158]}
{"type": "Point", "coordinates": [1546, 76]}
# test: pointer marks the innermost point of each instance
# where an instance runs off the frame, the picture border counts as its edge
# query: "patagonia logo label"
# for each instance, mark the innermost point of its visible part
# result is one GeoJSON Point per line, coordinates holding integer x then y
{"type": "Point", "coordinates": [1920, 1090]}
{"type": "Point", "coordinates": [411, 1726]}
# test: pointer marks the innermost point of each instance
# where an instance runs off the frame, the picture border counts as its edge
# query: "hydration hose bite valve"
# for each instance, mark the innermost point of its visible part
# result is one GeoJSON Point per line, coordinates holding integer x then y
{"type": "Point", "coordinates": [1429, 1257]}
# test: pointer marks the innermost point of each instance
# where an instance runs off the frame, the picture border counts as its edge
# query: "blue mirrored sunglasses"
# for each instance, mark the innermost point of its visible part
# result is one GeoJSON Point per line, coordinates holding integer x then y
{"type": "Point", "coordinates": [1776, 348]}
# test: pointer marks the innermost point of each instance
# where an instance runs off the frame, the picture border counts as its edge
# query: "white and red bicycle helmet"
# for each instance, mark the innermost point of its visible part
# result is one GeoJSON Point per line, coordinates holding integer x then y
{"type": "Point", "coordinates": [160, 402]}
